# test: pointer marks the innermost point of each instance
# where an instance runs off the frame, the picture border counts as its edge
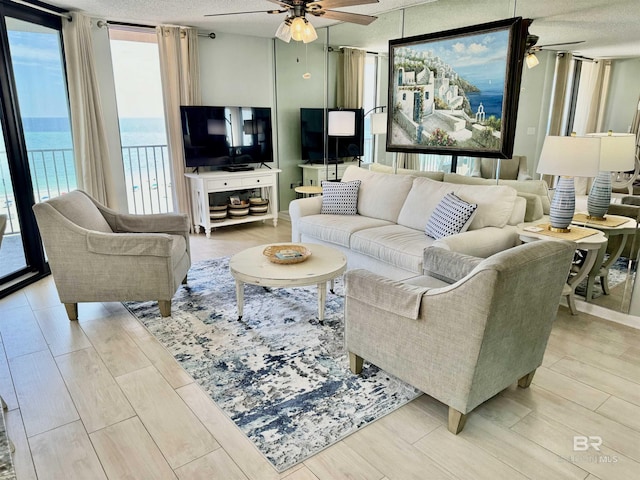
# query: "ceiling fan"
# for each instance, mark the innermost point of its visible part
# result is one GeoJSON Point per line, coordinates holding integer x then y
{"type": "Point", "coordinates": [297, 27]}
{"type": "Point", "coordinates": [531, 48]}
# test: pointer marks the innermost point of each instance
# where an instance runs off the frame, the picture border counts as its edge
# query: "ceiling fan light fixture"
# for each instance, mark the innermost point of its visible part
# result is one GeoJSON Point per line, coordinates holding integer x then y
{"type": "Point", "coordinates": [284, 31]}
{"type": "Point", "coordinates": [531, 60]}
{"type": "Point", "coordinates": [309, 34]}
{"type": "Point", "coordinates": [297, 28]}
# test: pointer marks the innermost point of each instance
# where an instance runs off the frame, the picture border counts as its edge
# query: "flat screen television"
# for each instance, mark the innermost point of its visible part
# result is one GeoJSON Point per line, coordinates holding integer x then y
{"type": "Point", "coordinates": [226, 137]}
{"type": "Point", "coordinates": [314, 137]}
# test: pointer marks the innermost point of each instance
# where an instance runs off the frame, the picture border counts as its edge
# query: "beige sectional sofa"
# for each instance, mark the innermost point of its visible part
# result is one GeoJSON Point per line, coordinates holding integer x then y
{"type": "Point", "coordinates": [387, 234]}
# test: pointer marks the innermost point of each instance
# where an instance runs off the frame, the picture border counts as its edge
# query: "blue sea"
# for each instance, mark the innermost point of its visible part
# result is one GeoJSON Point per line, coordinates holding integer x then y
{"type": "Point", "coordinates": [490, 95]}
{"type": "Point", "coordinates": [49, 144]}
{"type": "Point", "coordinates": [491, 100]}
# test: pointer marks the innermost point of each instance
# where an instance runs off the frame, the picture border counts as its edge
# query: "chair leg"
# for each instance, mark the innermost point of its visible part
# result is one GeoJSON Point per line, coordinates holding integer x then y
{"type": "Point", "coordinates": [456, 421]}
{"type": "Point", "coordinates": [355, 363]}
{"type": "Point", "coordinates": [165, 307]}
{"type": "Point", "coordinates": [72, 310]}
{"type": "Point", "coordinates": [525, 381]}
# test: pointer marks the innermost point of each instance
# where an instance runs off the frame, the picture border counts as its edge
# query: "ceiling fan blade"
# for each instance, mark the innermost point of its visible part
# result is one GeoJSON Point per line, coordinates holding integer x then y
{"type": "Point", "coordinates": [242, 13]}
{"type": "Point", "coordinates": [558, 44]}
{"type": "Point", "coordinates": [282, 3]}
{"type": "Point", "coordinates": [325, 4]}
{"type": "Point", "coordinates": [345, 17]}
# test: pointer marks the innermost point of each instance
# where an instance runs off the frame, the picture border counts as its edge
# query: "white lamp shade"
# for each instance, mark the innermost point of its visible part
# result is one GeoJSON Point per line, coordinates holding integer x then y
{"type": "Point", "coordinates": [570, 156]}
{"type": "Point", "coordinates": [378, 123]}
{"type": "Point", "coordinates": [617, 151]}
{"type": "Point", "coordinates": [342, 123]}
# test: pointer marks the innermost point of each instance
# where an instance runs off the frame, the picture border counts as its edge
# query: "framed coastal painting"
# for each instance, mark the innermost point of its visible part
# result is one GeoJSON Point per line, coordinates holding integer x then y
{"type": "Point", "coordinates": [456, 92]}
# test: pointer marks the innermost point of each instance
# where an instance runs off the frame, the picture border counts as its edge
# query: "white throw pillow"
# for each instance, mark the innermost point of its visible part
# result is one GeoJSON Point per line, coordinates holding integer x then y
{"type": "Point", "coordinates": [452, 215]}
{"type": "Point", "coordinates": [340, 198]}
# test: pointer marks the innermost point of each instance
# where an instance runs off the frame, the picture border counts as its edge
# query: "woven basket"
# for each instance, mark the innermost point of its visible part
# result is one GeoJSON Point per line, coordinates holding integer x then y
{"type": "Point", "coordinates": [272, 250]}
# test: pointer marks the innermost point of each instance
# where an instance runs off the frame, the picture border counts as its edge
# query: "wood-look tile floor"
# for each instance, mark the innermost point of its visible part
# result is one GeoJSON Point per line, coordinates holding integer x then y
{"type": "Point", "coordinates": [100, 398]}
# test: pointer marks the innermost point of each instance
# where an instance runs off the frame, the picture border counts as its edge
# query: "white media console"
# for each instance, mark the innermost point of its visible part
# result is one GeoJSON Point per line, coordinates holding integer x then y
{"type": "Point", "coordinates": [202, 184]}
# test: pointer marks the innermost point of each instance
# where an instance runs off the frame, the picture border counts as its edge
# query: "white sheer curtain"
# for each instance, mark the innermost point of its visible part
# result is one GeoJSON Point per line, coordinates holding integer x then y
{"type": "Point", "coordinates": [597, 105]}
{"type": "Point", "coordinates": [91, 151]}
{"type": "Point", "coordinates": [409, 160]}
{"type": "Point", "coordinates": [351, 78]}
{"type": "Point", "coordinates": [557, 116]}
{"type": "Point", "coordinates": [180, 72]}
{"type": "Point", "coordinates": [592, 94]}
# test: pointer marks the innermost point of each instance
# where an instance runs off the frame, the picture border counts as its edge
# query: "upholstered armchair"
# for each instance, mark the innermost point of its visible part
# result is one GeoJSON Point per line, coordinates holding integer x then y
{"type": "Point", "coordinates": [464, 331]}
{"type": "Point", "coordinates": [99, 255]}
{"type": "Point", "coordinates": [514, 168]}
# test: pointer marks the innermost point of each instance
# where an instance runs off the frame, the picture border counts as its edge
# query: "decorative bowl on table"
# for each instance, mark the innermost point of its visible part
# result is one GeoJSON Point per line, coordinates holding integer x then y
{"type": "Point", "coordinates": [286, 254]}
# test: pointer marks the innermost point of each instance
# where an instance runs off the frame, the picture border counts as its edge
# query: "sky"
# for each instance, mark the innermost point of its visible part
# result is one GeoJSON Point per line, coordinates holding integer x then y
{"type": "Point", "coordinates": [136, 70]}
{"type": "Point", "coordinates": [477, 58]}
{"type": "Point", "coordinates": [40, 80]}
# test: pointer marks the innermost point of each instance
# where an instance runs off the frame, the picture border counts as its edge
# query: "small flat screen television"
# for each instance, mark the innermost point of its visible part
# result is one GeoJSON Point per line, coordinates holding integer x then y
{"type": "Point", "coordinates": [314, 137]}
{"type": "Point", "coordinates": [226, 137]}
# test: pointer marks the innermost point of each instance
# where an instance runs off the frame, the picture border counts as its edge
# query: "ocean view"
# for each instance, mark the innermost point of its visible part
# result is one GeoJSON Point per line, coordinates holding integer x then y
{"type": "Point", "coordinates": [49, 143]}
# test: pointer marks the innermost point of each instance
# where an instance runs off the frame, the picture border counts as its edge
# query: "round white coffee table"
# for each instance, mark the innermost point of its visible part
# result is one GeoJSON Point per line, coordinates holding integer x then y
{"type": "Point", "coordinates": [251, 266]}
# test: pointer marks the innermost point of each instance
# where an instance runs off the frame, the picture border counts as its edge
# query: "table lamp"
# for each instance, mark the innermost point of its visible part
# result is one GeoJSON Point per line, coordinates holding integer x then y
{"type": "Point", "coordinates": [617, 154]}
{"type": "Point", "coordinates": [341, 123]}
{"type": "Point", "coordinates": [567, 157]}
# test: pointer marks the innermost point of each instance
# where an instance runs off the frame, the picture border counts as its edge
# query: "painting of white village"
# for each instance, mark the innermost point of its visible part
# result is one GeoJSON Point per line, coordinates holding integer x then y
{"type": "Point", "coordinates": [449, 93]}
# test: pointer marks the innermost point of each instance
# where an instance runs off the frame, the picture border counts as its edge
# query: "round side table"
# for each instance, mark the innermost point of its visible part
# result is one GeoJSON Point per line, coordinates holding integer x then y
{"type": "Point", "coordinates": [307, 190]}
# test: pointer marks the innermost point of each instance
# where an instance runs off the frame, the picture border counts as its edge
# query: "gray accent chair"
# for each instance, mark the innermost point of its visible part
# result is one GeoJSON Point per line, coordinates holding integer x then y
{"type": "Point", "coordinates": [99, 255]}
{"type": "Point", "coordinates": [467, 329]}
{"type": "Point", "coordinates": [514, 168]}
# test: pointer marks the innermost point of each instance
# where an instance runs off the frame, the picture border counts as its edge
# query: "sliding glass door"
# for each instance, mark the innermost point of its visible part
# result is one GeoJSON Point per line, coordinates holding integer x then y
{"type": "Point", "coordinates": [12, 258]}
{"type": "Point", "coordinates": [37, 161]}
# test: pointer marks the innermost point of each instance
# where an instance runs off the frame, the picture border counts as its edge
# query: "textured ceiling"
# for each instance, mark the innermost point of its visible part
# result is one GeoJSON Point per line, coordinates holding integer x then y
{"type": "Point", "coordinates": [609, 28]}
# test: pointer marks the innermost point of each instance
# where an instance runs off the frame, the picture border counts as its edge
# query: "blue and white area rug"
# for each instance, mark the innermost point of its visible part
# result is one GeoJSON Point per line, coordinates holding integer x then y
{"type": "Point", "coordinates": [279, 374]}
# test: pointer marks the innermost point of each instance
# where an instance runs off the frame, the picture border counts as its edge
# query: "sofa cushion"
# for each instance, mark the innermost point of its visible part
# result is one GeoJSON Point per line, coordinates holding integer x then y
{"type": "Point", "coordinates": [534, 210]}
{"type": "Point", "coordinates": [380, 195]}
{"type": "Point", "coordinates": [336, 229]}
{"type": "Point", "coordinates": [340, 198]}
{"type": "Point", "coordinates": [396, 245]}
{"type": "Point", "coordinates": [376, 167]}
{"type": "Point", "coordinates": [495, 203]}
{"type": "Point", "coordinates": [452, 215]}
{"type": "Point", "coordinates": [536, 187]}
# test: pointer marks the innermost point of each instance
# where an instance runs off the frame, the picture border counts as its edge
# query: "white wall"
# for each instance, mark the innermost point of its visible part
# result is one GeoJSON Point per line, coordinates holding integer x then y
{"type": "Point", "coordinates": [533, 109]}
{"type": "Point", "coordinates": [622, 101]}
{"type": "Point", "coordinates": [294, 92]}
{"type": "Point", "coordinates": [237, 70]}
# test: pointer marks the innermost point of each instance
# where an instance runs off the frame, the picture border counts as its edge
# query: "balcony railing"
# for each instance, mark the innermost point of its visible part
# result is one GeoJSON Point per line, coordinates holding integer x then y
{"type": "Point", "coordinates": [147, 175]}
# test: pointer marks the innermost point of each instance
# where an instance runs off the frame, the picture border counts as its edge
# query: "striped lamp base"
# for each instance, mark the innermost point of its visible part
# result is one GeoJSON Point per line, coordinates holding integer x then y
{"type": "Point", "coordinates": [563, 204]}
{"type": "Point", "coordinates": [600, 196]}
